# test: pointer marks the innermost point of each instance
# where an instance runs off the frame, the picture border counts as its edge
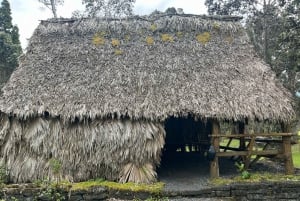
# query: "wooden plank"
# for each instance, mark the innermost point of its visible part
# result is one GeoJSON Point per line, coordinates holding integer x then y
{"type": "Point", "coordinates": [249, 135]}
{"type": "Point", "coordinates": [230, 148]}
{"type": "Point", "coordinates": [245, 153]}
{"type": "Point", "coordinates": [214, 165]}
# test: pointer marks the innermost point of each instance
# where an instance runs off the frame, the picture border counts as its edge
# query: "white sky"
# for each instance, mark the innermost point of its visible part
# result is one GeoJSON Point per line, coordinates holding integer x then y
{"type": "Point", "coordinates": [27, 13]}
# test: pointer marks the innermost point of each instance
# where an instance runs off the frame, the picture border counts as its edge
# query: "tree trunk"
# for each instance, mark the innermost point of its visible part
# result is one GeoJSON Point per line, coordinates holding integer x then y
{"type": "Point", "coordinates": [265, 51]}
{"type": "Point", "coordinates": [53, 8]}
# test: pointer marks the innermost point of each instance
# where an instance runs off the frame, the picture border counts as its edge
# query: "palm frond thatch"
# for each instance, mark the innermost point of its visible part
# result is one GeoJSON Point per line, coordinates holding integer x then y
{"type": "Point", "coordinates": [85, 151]}
{"type": "Point", "coordinates": [151, 67]}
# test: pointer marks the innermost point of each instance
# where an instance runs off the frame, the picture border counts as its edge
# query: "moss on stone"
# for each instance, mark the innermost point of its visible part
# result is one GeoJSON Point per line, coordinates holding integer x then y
{"type": "Point", "coordinates": [151, 188]}
{"type": "Point", "coordinates": [256, 178]}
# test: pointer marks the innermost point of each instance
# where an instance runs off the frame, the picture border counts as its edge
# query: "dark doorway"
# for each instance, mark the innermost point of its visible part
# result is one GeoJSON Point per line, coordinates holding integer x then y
{"type": "Point", "coordinates": [183, 161]}
{"type": "Point", "coordinates": [184, 165]}
{"type": "Point", "coordinates": [186, 135]}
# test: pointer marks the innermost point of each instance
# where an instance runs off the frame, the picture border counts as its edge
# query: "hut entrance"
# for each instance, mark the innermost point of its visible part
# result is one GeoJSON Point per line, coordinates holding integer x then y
{"type": "Point", "coordinates": [186, 135]}
{"type": "Point", "coordinates": [185, 144]}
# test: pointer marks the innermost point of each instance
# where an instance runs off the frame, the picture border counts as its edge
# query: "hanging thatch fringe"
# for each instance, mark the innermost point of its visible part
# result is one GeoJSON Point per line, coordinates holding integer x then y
{"type": "Point", "coordinates": [121, 150]}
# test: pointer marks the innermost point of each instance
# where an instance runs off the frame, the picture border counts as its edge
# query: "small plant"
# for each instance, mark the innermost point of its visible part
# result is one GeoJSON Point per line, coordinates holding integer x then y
{"type": "Point", "coordinates": [150, 40]}
{"type": "Point", "coordinates": [49, 191]}
{"type": "Point", "coordinates": [203, 38]}
{"type": "Point", "coordinates": [167, 38]}
{"type": "Point", "coordinates": [14, 199]}
{"type": "Point", "coordinates": [55, 166]}
{"type": "Point", "coordinates": [241, 168]}
{"type": "Point", "coordinates": [3, 174]}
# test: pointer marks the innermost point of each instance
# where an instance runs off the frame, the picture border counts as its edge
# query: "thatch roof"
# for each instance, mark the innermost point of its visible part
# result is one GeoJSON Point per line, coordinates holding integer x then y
{"type": "Point", "coordinates": [148, 67]}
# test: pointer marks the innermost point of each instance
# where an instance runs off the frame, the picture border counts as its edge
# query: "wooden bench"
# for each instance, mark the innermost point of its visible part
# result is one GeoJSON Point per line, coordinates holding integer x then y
{"type": "Point", "coordinates": [246, 151]}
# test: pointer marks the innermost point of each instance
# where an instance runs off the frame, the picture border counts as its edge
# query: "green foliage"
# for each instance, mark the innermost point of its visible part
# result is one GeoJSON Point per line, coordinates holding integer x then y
{"type": "Point", "coordinates": [296, 155]}
{"type": "Point", "coordinates": [9, 52]}
{"type": "Point", "coordinates": [55, 166]}
{"type": "Point", "coordinates": [10, 48]}
{"type": "Point", "coordinates": [49, 191]}
{"type": "Point", "coordinates": [229, 7]}
{"type": "Point", "coordinates": [5, 17]}
{"type": "Point", "coordinates": [274, 28]}
{"type": "Point", "coordinates": [288, 51]}
{"type": "Point", "coordinates": [3, 174]}
{"type": "Point", "coordinates": [241, 168]}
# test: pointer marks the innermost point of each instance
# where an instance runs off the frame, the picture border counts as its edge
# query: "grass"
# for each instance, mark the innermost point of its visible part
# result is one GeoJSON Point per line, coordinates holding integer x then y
{"type": "Point", "coordinates": [296, 155]}
{"type": "Point", "coordinates": [155, 188]}
{"type": "Point", "coordinates": [256, 178]}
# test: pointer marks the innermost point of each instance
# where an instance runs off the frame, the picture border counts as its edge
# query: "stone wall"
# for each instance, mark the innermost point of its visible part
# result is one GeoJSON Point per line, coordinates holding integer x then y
{"type": "Point", "coordinates": [279, 191]}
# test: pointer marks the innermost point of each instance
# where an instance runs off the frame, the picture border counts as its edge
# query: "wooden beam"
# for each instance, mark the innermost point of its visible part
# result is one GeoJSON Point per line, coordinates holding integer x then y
{"type": "Point", "coordinates": [214, 165]}
{"type": "Point", "coordinates": [255, 134]}
{"type": "Point", "coordinates": [245, 153]}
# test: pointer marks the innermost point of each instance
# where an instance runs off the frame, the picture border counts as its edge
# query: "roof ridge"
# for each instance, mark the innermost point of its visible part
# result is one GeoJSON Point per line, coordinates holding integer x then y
{"type": "Point", "coordinates": [146, 18]}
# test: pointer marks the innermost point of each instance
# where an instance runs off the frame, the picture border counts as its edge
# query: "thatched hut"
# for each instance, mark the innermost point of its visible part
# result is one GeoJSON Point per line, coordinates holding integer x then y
{"type": "Point", "coordinates": [97, 94]}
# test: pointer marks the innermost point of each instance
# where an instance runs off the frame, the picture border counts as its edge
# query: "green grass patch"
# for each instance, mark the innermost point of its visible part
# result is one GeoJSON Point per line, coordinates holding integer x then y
{"type": "Point", "coordinates": [296, 155]}
{"type": "Point", "coordinates": [256, 178]}
{"type": "Point", "coordinates": [151, 188]}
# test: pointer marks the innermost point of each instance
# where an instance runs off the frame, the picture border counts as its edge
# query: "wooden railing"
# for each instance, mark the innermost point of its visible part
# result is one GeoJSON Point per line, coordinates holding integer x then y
{"type": "Point", "coordinates": [246, 151]}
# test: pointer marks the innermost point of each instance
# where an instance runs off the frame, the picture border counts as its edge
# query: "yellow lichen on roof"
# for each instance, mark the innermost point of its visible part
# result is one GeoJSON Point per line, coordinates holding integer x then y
{"type": "Point", "coordinates": [98, 40]}
{"type": "Point", "coordinates": [167, 38]}
{"type": "Point", "coordinates": [203, 38]}
{"type": "Point", "coordinates": [149, 40]}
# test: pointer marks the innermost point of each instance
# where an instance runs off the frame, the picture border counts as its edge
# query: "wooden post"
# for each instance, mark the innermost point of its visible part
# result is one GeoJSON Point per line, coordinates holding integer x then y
{"type": "Point", "coordinates": [214, 165]}
{"type": "Point", "coordinates": [241, 130]}
{"type": "Point", "coordinates": [287, 151]}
